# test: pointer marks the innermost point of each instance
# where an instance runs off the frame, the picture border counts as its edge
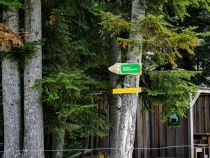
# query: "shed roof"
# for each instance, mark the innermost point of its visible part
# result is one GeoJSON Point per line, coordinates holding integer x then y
{"type": "Point", "coordinates": [205, 90]}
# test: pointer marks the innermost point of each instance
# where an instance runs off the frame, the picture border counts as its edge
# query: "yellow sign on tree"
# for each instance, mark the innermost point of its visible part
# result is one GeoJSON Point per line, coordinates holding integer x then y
{"type": "Point", "coordinates": [126, 90]}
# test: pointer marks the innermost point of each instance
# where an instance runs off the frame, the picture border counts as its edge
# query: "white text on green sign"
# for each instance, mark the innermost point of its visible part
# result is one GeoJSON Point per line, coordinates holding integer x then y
{"type": "Point", "coordinates": [126, 68]}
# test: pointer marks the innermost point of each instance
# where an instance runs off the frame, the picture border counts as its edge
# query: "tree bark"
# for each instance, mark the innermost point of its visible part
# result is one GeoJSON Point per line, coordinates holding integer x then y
{"type": "Point", "coordinates": [11, 94]}
{"type": "Point", "coordinates": [115, 100]}
{"type": "Point", "coordinates": [33, 112]}
{"type": "Point", "coordinates": [58, 143]}
{"type": "Point", "coordinates": [130, 101]}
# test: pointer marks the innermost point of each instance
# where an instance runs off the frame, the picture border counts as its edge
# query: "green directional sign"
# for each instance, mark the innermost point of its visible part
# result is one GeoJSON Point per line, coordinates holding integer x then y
{"type": "Point", "coordinates": [130, 68]}
{"type": "Point", "coordinates": [126, 68]}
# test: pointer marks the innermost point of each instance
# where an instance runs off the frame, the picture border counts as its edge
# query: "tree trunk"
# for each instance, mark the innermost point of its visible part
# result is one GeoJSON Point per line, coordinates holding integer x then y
{"type": "Point", "coordinates": [11, 94]}
{"type": "Point", "coordinates": [115, 100]}
{"type": "Point", "coordinates": [33, 112]}
{"type": "Point", "coordinates": [58, 143]}
{"type": "Point", "coordinates": [130, 101]}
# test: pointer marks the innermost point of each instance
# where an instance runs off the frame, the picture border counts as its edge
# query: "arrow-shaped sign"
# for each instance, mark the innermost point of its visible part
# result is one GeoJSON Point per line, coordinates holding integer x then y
{"type": "Point", "coordinates": [126, 68]}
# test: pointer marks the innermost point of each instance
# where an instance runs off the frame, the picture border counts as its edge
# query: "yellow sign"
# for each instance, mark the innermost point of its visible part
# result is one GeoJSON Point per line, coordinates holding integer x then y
{"type": "Point", "coordinates": [126, 90]}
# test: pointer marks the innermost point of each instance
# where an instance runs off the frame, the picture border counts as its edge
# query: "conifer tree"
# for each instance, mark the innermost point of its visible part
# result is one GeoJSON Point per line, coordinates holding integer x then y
{"type": "Point", "coordinates": [11, 94]}
{"type": "Point", "coordinates": [126, 137]}
{"type": "Point", "coordinates": [33, 113]}
{"type": "Point", "coordinates": [187, 40]}
{"type": "Point", "coordinates": [115, 100]}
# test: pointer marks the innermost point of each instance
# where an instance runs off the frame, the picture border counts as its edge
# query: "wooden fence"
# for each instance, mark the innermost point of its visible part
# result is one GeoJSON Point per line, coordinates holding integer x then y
{"type": "Point", "coordinates": [152, 133]}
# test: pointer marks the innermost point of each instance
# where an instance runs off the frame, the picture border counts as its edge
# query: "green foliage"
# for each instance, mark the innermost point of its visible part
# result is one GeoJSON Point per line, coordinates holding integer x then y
{"type": "Point", "coordinates": [200, 62]}
{"type": "Point", "coordinates": [57, 33]}
{"type": "Point", "coordinates": [175, 8]}
{"type": "Point", "coordinates": [169, 89]}
{"type": "Point", "coordinates": [163, 45]}
{"type": "Point", "coordinates": [87, 120]}
{"type": "Point", "coordinates": [73, 47]}
{"type": "Point", "coordinates": [157, 35]}
{"type": "Point", "coordinates": [181, 6]}
{"type": "Point", "coordinates": [69, 43]}
{"type": "Point", "coordinates": [167, 41]}
{"type": "Point", "coordinates": [9, 3]}
{"type": "Point", "coordinates": [115, 24]}
{"type": "Point", "coordinates": [62, 93]}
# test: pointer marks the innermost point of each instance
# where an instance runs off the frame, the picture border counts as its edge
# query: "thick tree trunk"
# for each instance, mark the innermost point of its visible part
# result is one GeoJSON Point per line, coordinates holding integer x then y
{"type": "Point", "coordinates": [33, 112]}
{"type": "Point", "coordinates": [115, 100]}
{"type": "Point", "coordinates": [130, 101]}
{"type": "Point", "coordinates": [11, 94]}
{"type": "Point", "coordinates": [58, 143]}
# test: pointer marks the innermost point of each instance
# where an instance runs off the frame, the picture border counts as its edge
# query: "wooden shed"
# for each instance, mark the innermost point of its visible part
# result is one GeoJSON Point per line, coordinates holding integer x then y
{"type": "Point", "coordinates": [190, 139]}
{"type": "Point", "coordinates": [155, 139]}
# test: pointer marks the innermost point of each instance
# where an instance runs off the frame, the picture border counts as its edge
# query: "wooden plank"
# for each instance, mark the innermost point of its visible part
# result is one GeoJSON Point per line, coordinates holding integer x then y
{"type": "Point", "coordinates": [158, 128]}
{"type": "Point", "coordinates": [139, 133]}
{"type": "Point", "coordinates": [106, 110]}
{"type": "Point", "coordinates": [185, 121]}
{"type": "Point", "coordinates": [209, 145]}
{"type": "Point", "coordinates": [202, 115]}
{"type": "Point", "coordinates": [179, 139]}
{"type": "Point", "coordinates": [171, 141]}
{"type": "Point", "coordinates": [196, 115]}
{"type": "Point", "coordinates": [208, 113]}
{"type": "Point", "coordinates": [143, 137]}
{"type": "Point", "coordinates": [152, 128]}
{"type": "Point", "coordinates": [158, 123]}
{"type": "Point", "coordinates": [162, 137]}
{"type": "Point", "coordinates": [146, 134]}
{"type": "Point", "coordinates": [149, 135]}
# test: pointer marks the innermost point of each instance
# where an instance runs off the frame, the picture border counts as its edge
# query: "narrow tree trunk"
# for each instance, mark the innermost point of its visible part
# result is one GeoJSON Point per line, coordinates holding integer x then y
{"type": "Point", "coordinates": [33, 112]}
{"type": "Point", "coordinates": [130, 101]}
{"type": "Point", "coordinates": [11, 94]}
{"type": "Point", "coordinates": [58, 143]}
{"type": "Point", "coordinates": [115, 100]}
